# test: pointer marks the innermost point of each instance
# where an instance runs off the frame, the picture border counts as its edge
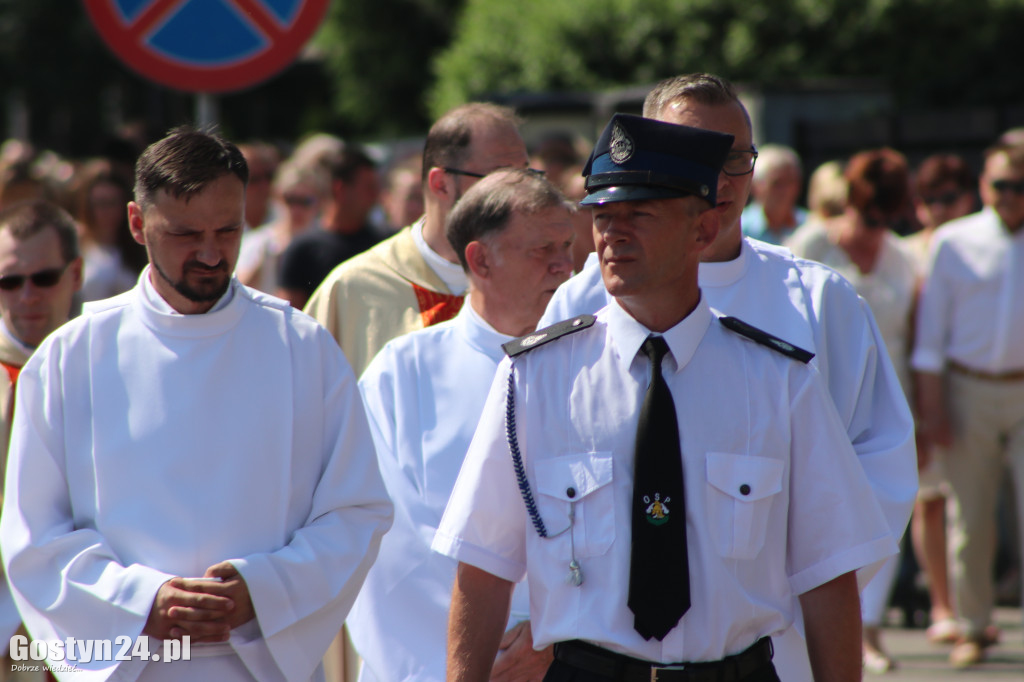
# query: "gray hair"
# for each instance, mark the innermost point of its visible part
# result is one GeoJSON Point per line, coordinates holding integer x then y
{"type": "Point", "coordinates": [773, 157]}
{"type": "Point", "coordinates": [489, 204]}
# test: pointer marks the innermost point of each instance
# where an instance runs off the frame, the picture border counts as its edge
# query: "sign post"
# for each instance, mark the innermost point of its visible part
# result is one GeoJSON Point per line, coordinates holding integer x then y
{"type": "Point", "coordinates": [206, 46]}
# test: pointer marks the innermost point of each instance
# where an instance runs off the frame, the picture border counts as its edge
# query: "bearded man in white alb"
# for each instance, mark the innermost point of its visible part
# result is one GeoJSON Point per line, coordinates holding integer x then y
{"type": "Point", "coordinates": [191, 458]}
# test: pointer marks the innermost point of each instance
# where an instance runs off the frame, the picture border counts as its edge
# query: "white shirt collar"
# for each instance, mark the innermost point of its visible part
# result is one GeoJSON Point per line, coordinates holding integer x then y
{"type": "Point", "coordinates": [479, 332]}
{"type": "Point", "coordinates": [157, 302]}
{"type": "Point", "coordinates": [728, 272]}
{"type": "Point", "coordinates": [451, 274]}
{"type": "Point", "coordinates": [628, 334]}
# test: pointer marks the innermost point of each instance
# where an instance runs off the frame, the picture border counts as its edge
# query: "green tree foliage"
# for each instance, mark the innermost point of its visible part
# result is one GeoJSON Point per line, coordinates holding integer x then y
{"type": "Point", "coordinates": [379, 54]}
{"type": "Point", "coordinates": [930, 51]}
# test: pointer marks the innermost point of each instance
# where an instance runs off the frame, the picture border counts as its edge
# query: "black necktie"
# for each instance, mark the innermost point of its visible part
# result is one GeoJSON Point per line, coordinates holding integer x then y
{"type": "Point", "coordinates": [659, 577]}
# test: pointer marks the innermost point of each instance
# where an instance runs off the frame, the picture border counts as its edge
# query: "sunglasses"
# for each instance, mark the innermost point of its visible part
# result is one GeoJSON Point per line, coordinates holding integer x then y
{"type": "Point", "coordinates": [44, 279]}
{"type": "Point", "coordinates": [1015, 186]}
{"type": "Point", "coordinates": [299, 201]}
{"type": "Point", "coordinates": [944, 199]}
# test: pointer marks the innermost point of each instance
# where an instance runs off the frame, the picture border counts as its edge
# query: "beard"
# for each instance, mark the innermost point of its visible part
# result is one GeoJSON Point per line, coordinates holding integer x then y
{"type": "Point", "coordinates": [207, 289]}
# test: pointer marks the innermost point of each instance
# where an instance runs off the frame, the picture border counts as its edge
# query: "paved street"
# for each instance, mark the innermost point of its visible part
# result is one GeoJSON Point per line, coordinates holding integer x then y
{"type": "Point", "coordinates": [920, 661]}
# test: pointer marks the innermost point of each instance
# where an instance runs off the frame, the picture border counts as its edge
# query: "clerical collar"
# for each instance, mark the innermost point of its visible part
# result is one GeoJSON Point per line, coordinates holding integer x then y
{"type": "Point", "coordinates": [479, 333]}
{"type": "Point", "coordinates": [158, 303]}
{"type": "Point", "coordinates": [451, 274]}
{"type": "Point", "coordinates": [14, 339]}
{"type": "Point", "coordinates": [724, 273]}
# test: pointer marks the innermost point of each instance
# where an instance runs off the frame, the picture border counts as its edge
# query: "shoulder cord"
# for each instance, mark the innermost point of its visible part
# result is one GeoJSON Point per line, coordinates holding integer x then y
{"type": "Point", "coordinates": [517, 458]}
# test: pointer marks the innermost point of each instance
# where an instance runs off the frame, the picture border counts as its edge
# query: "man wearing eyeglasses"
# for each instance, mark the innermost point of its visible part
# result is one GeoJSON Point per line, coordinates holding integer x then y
{"type": "Point", "coordinates": [413, 279]}
{"type": "Point", "coordinates": [40, 271]}
{"type": "Point", "coordinates": [805, 303]}
{"type": "Point", "coordinates": [969, 360]}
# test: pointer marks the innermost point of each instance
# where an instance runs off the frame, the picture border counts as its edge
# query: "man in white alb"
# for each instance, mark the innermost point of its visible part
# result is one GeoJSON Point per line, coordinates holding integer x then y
{"type": "Point", "coordinates": [424, 392]}
{"type": "Point", "coordinates": [190, 458]}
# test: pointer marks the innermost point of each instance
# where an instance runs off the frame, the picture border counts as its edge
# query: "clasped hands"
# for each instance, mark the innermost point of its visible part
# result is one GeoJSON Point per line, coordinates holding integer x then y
{"type": "Point", "coordinates": [205, 610]}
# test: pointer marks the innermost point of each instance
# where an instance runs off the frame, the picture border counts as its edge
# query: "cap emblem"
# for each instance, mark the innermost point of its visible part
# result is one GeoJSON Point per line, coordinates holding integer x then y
{"type": "Point", "coordinates": [621, 147]}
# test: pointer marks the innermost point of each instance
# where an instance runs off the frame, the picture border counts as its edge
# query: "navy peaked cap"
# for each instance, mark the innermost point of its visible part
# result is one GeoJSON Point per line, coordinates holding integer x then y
{"type": "Point", "coordinates": [639, 158]}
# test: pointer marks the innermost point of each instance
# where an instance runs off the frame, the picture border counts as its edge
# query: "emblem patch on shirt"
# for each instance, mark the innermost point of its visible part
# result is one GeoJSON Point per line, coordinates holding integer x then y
{"type": "Point", "coordinates": [657, 510]}
{"type": "Point", "coordinates": [621, 147]}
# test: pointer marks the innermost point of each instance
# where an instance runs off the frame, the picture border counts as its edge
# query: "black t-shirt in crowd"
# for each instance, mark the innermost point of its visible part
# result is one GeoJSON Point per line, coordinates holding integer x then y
{"type": "Point", "coordinates": [311, 256]}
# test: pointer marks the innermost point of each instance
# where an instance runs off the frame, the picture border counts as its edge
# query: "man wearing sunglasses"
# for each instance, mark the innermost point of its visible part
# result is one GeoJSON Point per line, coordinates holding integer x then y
{"type": "Point", "coordinates": [969, 359]}
{"type": "Point", "coordinates": [40, 271]}
{"type": "Point", "coordinates": [346, 231]}
{"type": "Point", "coordinates": [805, 303]}
{"type": "Point", "coordinates": [413, 279]}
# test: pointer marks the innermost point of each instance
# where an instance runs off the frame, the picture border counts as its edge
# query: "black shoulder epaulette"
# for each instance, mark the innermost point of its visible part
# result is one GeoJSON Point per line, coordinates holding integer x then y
{"type": "Point", "coordinates": [766, 339]}
{"type": "Point", "coordinates": [542, 336]}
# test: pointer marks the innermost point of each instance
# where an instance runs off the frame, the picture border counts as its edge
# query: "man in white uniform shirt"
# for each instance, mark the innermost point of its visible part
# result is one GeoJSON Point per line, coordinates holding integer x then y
{"type": "Point", "coordinates": [969, 362]}
{"type": "Point", "coordinates": [424, 393]}
{"type": "Point", "coordinates": [803, 302]}
{"type": "Point", "coordinates": [553, 490]}
{"type": "Point", "coordinates": [191, 458]}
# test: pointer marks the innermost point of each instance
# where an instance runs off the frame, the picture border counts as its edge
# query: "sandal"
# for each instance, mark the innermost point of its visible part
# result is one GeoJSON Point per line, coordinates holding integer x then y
{"type": "Point", "coordinates": [945, 631]}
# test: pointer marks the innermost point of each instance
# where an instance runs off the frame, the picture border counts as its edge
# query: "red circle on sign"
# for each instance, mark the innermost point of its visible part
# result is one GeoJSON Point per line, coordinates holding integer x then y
{"type": "Point", "coordinates": [128, 41]}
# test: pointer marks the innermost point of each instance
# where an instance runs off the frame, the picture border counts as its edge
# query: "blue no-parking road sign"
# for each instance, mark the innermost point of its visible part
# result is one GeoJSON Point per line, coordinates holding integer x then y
{"type": "Point", "coordinates": [206, 45]}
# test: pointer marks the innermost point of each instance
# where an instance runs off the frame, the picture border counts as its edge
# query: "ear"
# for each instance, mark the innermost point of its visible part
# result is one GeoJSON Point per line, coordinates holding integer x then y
{"type": "Point", "coordinates": [708, 222]}
{"type": "Point", "coordinates": [135, 222]}
{"type": "Point", "coordinates": [478, 260]}
{"type": "Point", "coordinates": [437, 183]}
{"type": "Point", "coordinates": [75, 269]}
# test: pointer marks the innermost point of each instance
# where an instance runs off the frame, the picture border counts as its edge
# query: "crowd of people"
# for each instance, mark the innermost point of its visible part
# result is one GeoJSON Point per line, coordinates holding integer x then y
{"type": "Point", "coordinates": [529, 384]}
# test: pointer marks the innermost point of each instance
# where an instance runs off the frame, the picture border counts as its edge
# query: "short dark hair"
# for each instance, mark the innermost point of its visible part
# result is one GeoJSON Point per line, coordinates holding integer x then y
{"type": "Point", "coordinates": [344, 164]}
{"type": "Point", "coordinates": [878, 178]}
{"type": "Point", "coordinates": [939, 169]}
{"type": "Point", "coordinates": [489, 204]}
{"type": "Point", "coordinates": [704, 88]}
{"type": "Point", "coordinates": [185, 162]}
{"type": "Point", "coordinates": [26, 219]}
{"type": "Point", "coordinates": [448, 140]}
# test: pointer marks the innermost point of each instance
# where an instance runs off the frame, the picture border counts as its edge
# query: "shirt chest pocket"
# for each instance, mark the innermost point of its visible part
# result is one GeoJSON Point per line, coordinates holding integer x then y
{"type": "Point", "coordinates": [577, 491]}
{"type": "Point", "coordinates": [740, 492]}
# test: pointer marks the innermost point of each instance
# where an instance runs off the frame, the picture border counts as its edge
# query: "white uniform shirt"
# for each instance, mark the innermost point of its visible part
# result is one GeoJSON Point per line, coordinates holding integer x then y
{"type": "Point", "coordinates": [748, 416]}
{"type": "Point", "coordinates": [972, 304]}
{"type": "Point", "coordinates": [148, 445]}
{"type": "Point", "coordinates": [813, 307]}
{"type": "Point", "coordinates": [424, 393]}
